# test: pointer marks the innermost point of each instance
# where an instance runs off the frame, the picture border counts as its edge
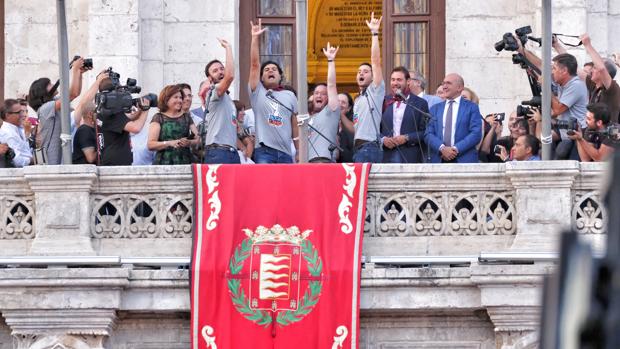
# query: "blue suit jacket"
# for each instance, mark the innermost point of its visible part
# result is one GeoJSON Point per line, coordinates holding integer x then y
{"type": "Point", "coordinates": [467, 134]}
{"type": "Point", "coordinates": [412, 126]}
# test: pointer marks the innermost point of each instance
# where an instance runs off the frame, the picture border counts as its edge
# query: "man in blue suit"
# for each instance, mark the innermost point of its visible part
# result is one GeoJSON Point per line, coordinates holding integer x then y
{"type": "Point", "coordinates": [455, 128]}
{"type": "Point", "coordinates": [402, 127]}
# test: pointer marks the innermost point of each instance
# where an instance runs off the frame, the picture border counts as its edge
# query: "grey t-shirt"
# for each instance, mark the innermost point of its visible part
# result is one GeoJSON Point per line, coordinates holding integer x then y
{"type": "Point", "coordinates": [574, 95]}
{"type": "Point", "coordinates": [49, 132]}
{"type": "Point", "coordinates": [273, 121]}
{"type": "Point", "coordinates": [221, 120]}
{"type": "Point", "coordinates": [367, 112]}
{"type": "Point", "coordinates": [326, 122]}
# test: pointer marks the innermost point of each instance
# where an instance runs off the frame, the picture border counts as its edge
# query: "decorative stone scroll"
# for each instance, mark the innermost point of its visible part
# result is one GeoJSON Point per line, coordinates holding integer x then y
{"type": "Point", "coordinates": [588, 214]}
{"type": "Point", "coordinates": [16, 216]}
{"type": "Point", "coordinates": [142, 216]}
{"type": "Point", "coordinates": [440, 214]}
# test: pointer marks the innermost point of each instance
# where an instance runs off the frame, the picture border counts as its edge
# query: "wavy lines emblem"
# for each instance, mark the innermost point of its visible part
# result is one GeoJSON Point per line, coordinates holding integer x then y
{"type": "Point", "coordinates": [344, 208]}
{"type": "Point", "coordinates": [215, 205]}
{"type": "Point", "coordinates": [341, 335]}
{"type": "Point", "coordinates": [274, 277]}
{"type": "Point", "coordinates": [207, 335]}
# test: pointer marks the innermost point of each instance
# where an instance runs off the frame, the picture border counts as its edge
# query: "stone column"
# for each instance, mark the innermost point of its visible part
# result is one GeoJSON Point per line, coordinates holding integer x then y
{"type": "Point", "coordinates": [512, 296]}
{"type": "Point", "coordinates": [114, 37]}
{"type": "Point", "coordinates": [62, 206]}
{"type": "Point", "coordinates": [543, 202]}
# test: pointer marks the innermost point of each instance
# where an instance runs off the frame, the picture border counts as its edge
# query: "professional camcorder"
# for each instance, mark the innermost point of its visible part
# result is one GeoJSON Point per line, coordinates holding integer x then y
{"type": "Point", "coordinates": [117, 99]}
{"type": "Point", "coordinates": [611, 132]}
{"type": "Point", "coordinates": [509, 43]}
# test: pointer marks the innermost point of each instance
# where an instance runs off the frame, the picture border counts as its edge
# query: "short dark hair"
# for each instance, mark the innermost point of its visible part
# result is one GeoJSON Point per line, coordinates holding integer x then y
{"type": "Point", "coordinates": [600, 112]}
{"type": "Point", "coordinates": [212, 62]}
{"type": "Point", "coordinates": [165, 95]}
{"type": "Point", "coordinates": [532, 142]}
{"type": "Point", "coordinates": [38, 93]}
{"type": "Point", "coordinates": [350, 102]}
{"type": "Point", "coordinates": [522, 123]}
{"type": "Point", "coordinates": [317, 85]}
{"type": "Point", "coordinates": [366, 63]}
{"type": "Point", "coordinates": [185, 86]}
{"type": "Point", "coordinates": [568, 61]}
{"type": "Point", "coordinates": [589, 64]}
{"type": "Point", "coordinates": [266, 63]}
{"type": "Point", "coordinates": [403, 70]}
{"type": "Point", "coordinates": [6, 106]}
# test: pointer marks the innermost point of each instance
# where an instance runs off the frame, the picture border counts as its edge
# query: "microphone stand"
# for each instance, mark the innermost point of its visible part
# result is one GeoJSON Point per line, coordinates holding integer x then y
{"type": "Point", "coordinates": [300, 121]}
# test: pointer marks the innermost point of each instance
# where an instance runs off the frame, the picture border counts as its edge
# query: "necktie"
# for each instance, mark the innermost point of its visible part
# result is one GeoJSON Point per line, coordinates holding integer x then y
{"type": "Point", "coordinates": [447, 134]}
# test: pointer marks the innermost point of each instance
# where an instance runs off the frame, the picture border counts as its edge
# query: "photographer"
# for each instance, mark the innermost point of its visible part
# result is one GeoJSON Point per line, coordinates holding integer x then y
{"type": "Point", "coordinates": [572, 96]}
{"type": "Point", "coordinates": [116, 127]}
{"type": "Point", "coordinates": [595, 146]}
{"type": "Point", "coordinates": [525, 148]}
{"type": "Point", "coordinates": [12, 135]}
{"type": "Point", "coordinates": [43, 99]}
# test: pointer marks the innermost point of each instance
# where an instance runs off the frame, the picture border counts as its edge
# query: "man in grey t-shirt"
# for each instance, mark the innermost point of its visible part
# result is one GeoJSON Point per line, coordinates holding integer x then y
{"type": "Point", "coordinates": [325, 101]}
{"type": "Point", "coordinates": [221, 138]}
{"type": "Point", "coordinates": [367, 107]}
{"type": "Point", "coordinates": [274, 108]}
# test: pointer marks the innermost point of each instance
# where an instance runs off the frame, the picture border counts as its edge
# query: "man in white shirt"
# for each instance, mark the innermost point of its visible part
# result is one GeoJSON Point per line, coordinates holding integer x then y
{"type": "Point", "coordinates": [13, 134]}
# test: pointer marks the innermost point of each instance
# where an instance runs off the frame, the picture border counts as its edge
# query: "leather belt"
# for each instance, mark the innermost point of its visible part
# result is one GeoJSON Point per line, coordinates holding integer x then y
{"type": "Point", "coordinates": [361, 142]}
{"type": "Point", "coordinates": [221, 146]}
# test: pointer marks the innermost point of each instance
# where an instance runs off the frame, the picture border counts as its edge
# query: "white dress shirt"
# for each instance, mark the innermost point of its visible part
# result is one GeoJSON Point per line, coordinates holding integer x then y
{"type": "Point", "coordinates": [455, 112]}
{"type": "Point", "coordinates": [16, 140]}
{"type": "Point", "coordinates": [399, 112]}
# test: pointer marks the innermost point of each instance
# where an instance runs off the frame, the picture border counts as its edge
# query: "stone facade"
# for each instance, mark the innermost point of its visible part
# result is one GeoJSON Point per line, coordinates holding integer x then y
{"type": "Point", "coordinates": [96, 257]}
{"type": "Point", "coordinates": [169, 41]}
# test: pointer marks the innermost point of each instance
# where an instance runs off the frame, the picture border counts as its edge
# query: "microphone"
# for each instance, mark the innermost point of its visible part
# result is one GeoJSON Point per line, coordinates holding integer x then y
{"type": "Point", "coordinates": [269, 94]}
{"type": "Point", "coordinates": [400, 94]}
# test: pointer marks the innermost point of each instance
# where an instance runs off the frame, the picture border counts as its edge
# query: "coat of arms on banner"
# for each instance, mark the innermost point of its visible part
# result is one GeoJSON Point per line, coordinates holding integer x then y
{"type": "Point", "coordinates": [283, 270]}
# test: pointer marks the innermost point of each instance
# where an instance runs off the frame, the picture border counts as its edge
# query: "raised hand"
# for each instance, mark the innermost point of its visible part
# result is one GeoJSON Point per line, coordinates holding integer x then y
{"type": "Point", "coordinates": [585, 39]}
{"type": "Point", "coordinates": [225, 43]}
{"type": "Point", "coordinates": [374, 23]}
{"type": "Point", "coordinates": [257, 30]}
{"type": "Point", "coordinates": [330, 51]}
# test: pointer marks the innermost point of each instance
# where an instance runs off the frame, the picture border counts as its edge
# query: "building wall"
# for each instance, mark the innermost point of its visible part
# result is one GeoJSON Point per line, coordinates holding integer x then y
{"type": "Point", "coordinates": [167, 41]}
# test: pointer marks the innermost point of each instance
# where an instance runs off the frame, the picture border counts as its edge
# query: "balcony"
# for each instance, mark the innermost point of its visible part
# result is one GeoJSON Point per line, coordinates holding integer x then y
{"type": "Point", "coordinates": [97, 256]}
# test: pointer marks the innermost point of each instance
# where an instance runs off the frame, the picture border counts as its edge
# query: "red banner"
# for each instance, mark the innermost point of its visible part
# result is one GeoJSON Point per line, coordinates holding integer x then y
{"type": "Point", "coordinates": [276, 255]}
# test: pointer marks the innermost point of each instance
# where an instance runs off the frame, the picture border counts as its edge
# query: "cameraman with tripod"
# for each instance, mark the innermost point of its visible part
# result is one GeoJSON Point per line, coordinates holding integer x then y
{"type": "Point", "coordinates": [597, 144]}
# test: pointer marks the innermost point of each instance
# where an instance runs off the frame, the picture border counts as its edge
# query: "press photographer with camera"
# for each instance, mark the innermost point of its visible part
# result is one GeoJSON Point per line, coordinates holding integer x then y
{"type": "Point", "coordinates": [525, 148]}
{"type": "Point", "coordinates": [595, 143]}
{"type": "Point", "coordinates": [43, 98]}
{"type": "Point", "coordinates": [120, 115]}
{"type": "Point", "coordinates": [572, 96]}
{"type": "Point", "coordinates": [172, 131]}
{"type": "Point", "coordinates": [12, 136]}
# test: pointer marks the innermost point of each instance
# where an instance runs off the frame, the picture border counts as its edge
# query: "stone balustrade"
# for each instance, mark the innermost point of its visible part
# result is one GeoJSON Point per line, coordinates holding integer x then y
{"type": "Point", "coordinates": [423, 211]}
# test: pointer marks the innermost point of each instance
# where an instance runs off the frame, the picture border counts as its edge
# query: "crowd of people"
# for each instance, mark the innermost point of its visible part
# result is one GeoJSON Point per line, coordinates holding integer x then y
{"type": "Point", "coordinates": [404, 124]}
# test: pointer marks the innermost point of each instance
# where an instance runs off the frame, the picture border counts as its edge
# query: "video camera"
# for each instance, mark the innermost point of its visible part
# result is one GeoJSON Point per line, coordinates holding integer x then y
{"type": "Point", "coordinates": [611, 132]}
{"type": "Point", "coordinates": [509, 43]}
{"type": "Point", "coordinates": [117, 99]}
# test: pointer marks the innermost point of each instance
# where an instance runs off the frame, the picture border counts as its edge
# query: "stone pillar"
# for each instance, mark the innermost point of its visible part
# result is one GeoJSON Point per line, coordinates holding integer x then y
{"type": "Point", "coordinates": [153, 48]}
{"type": "Point", "coordinates": [512, 296]}
{"type": "Point", "coordinates": [114, 37]}
{"type": "Point", "coordinates": [543, 202]}
{"type": "Point", "coordinates": [62, 202]}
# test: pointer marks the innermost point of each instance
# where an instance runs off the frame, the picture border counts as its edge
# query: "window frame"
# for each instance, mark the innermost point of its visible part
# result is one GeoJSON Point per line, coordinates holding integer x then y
{"type": "Point", "coordinates": [435, 44]}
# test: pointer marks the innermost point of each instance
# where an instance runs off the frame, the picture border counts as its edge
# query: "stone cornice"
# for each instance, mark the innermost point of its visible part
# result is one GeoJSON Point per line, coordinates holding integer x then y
{"type": "Point", "coordinates": [49, 178]}
{"type": "Point", "coordinates": [542, 174]}
{"type": "Point", "coordinates": [98, 322]}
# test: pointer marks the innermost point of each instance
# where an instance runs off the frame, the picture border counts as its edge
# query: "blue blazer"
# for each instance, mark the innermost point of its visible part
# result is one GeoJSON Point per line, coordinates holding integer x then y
{"type": "Point", "coordinates": [467, 135]}
{"type": "Point", "coordinates": [412, 126]}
